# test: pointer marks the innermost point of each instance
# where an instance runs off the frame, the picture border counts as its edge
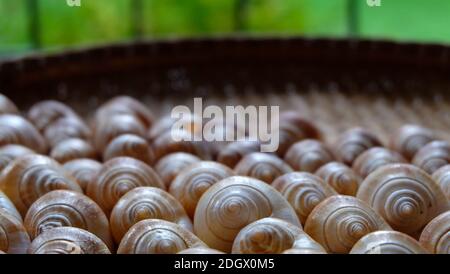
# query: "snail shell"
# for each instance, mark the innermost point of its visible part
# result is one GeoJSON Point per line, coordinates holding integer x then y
{"type": "Point", "coordinates": [13, 236]}
{"type": "Point", "coordinates": [16, 130]}
{"type": "Point", "coordinates": [273, 236]}
{"type": "Point", "coordinates": [146, 203]}
{"type": "Point", "coordinates": [62, 208]}
{"type": "Point", "coordinates": [157, 237]}
{"type": "Point", "coordinates": [30, 177]}
{"type": "Point", "coordinates": [262, 166]}
{"type": "Point", "coordinates": [374, 158]}
{"type": "Point", "coordinates": [436, 235]}
{"type": "Point", "coordinates": [67, 240]}
{"type": "Point", "coordinates": [353, 142]}
{"type": "Point", "coordinates": [200, 250]}
{"type": "Point", "coordinates": [235, 151]}
{"type": "Point", "coordinates": [171, 165]}
{"type": "Point", "coordinates": [83, 170]}
{"type": "Point", "coordinates": [340, 177]}
{"type": "Point", "coordinates": [7, 206]}
{"type": "Point", "coordinates": [432, 156]}
{"type": "Point", "coordinates": [308, 155]}
{"type": "Point", "coordinates": [129, 145]}
{"type": "Point", "coordinates": [442, 177]}
{"type": "Point", "coordinates": [387, 242]}
{"type": "Point", "coordinates": [195, 180]}
{"type": "Point", "coordinates": [7, 106]}
{"type": "Point", "coordinates": [45, 113]}
{"type": "Point", "coordinates": [408, 139]}
{"type": "Point", "coordinates": [233, 203]}
{"type": "Point", "coordinates": [339, 222]}
{"type": "Point", "coordinates": [67, 128]}
{"type": "Point", "coordinates": [303, 191]}
{"type": "Point", "coordinates": [404, 195]}
{"type": "Point", "coordinates": [9, 153]}
{"type": "Point", "coordinates": [72, 149]}
{"type": "Point", "coordinates": [117, 177]}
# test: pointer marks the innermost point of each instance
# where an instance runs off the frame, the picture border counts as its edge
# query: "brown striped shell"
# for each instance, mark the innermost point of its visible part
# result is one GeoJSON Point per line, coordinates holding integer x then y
{"type": "Point", "coordinates": [235, 151]}
{"type": "Point", "coordinates": [308, 155]}
{"type": "Point", "coordinates": [435, 236]}
{"type": "Point", "coordinates": [83, 170]}
{"type": "Point", "coordinates": [8, 206]}
{"type": "Point", "coordinates": [340, 177]}
{"type": "Point", "coordinates": [387, 242]}
{"type": "Point", "coordinates": [47, 112]}
{"type": "Point", "coordinates": [432, 156]}
{"type": "Point", "coordinates": [353, 142]}
{"type": "Point", "coordinates": [13, 236]}
{"type": "Point", "coordinates": [408, 139]}
{"type": "Point", "coordinates": [172, 164]}
{"type": "Point", "coordinates": [72, 149]}
{"type": "Point", "coordinates": [9, 153]}
{"type": "Point", "coordinates": [129, 145]}
{"type": "Point", "coordinates": [373, 158]}
{"type": "Point", "coordinates": [67, 128]}
{"type": "Point", "coordinates": [442, 177]}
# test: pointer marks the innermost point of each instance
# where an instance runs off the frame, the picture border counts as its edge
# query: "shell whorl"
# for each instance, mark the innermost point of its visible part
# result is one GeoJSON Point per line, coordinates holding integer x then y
{"type": "Point", "coordinates": [432, 156]}
{"type": "Point", "coordinates": [435, 236]}
{"type": "Point", "coordinates": [68, 240]}
{"type": "Point", "coordinates": [13, 236]}
{"type": "Point", "coordinates": [339, 222]}
{"type": "Point", "coordinates": [272, 236]}
{"type": "Point", "coordinates": [8, 206]}
{"type": "Point", "coordinates": [146, 203]}
{"type": "Point", "coordinates": [62, 208]}
{"type": "Point", "coordinates": [235, 151]}
{"type": "Point", "coordinates": [442, 177]}
{"type": "Point", "coordinates": [9, 153]}
{"type": "Point", "coordinates": [117, 177]}
{"type": "Point", "coordinates": [308, 155]}
{"type": "Point", "coordinates": [200, 250]}
{"type": "Point", "coordinates": [171, 165]}
{"type": "Point", "coordinates": [83, 170]}
{"type": "Point", "coordinates": [30, 177]}
{"type": "Point", "coordinates": [67, 128]}
{"type": "Point", "coordinates": [408, 139]}
{"type": "Point", "coordinates": [340, 177]}
{"type": "Point", "coordinates": [192, 182]}
{"type": "Point", "coordinates": [7, 106]}
{"type": "Point", "coordinates": [72, 149]}
{"type": "Point", "coordinates": [404, 195]}
{"type": "Point", "coordinates": [233, 203]}
{"type": "Point", "coordinates": [303, 191]}
{"type": "Point", "coordinates": [353, 142]}
{"type": "Point", "coordinates": [373, 158]}
{"type": "Point", "coordinates": [387, 242]}
{"type": "Point", "coordinates": [44, 113]}
{"type": "Point", "coordinates": [129, 145]}
{"type": "Point", "coordinates": [262, 166]}
{"type": "Point", "coordinates": [157, 237]}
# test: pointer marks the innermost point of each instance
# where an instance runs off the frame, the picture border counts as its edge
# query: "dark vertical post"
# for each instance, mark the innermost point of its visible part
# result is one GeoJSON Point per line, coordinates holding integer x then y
{"type": "Point", "coordinates": [34, 27]}
{"type": "Point", "coordinates": [137, 18]}
{"type": "Point", "coordinates": [240, 14]}
{"type": "Point", "coordinates": [353, 18]}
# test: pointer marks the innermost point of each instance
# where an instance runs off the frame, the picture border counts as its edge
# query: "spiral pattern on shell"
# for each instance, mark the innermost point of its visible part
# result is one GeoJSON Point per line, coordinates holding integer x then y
{"type": "Point", "coordinates": [339, 222]}
{"type": "Point", "coordinates": [13, 236]}
{"type": "Point", "coordinates": [9, 153]}
{"type": "Point", "coordinates": [408, 139]}
{"type": "Point", "coordinates": [129, 145]}
{"type": "Point", "coordinates": [117, 177]}
{"type": "Point", "coordinates": [235, 151]}
{"type": "Point", "coordinates": [30, 177]}
{"type": "Point", "coordinates": [432, 156]}
{"type": "Point", "coordinates": [435, 236]}
{"type": "Point", "coordinates": [72, 149]}
{"type": "Point", "coordinates": [146, 203]}
{"type": "Point", "coordinates": [67, 128]}
{"type": "Point", "coordinates": [16, 130]}
{"type": "Point", "coordinates": [442, 177]}
{"type": "Point", "coordinates": [171, 165]}
{"type": "Point", "coordinates": [374, 158]}
{"type": "Point", "coordinates": [45, 113]}
{"type": "Point", "coordinates": [404, 195]}
{"type": "Point", "coordinates": [353, 142]}
{"type": "Point", "coordinates": [7, 206]}
{"type": "Point", "coordinates": [67, 240]}
{"type": "Point", "coordinates": [192, 182]}
{"type": "Point", "coordinates": [303, 191]}
{"type": "Point", "coordinates": [157, 237]}
{"type": "Point", "coordinates": [262, 166]}
{"type": "Point", "coordinates": [63, 208]}
{"type": "Point", "coordinates": [387, 242]}
{"type": "Point", "coordinates": [233, 203]}
{"type": "Point", "coordinates": [308, 155]}
{"type": "Point", "coordinates": [83, 170]}
{"type": "Point", "coordinates": [7, 106]}
{"type": "Point", "coordinates": [340, 177]}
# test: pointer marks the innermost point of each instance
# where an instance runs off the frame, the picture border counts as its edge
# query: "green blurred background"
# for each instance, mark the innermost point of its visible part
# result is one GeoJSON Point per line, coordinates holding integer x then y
{"type": "Point", "coordinates": [51, 24]}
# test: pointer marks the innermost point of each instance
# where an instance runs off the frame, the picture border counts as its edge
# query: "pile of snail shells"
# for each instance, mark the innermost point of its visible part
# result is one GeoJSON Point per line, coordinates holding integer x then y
{"type": "Point", "coordinates": [119, 183]}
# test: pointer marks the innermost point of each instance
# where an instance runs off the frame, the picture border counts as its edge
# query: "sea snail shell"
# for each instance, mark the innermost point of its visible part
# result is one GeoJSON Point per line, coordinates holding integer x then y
{"type": "Point", "coordinates": [67, 128]}
{"type": "Point", "coordinates": [387, 242]}
{"type": "Point", "coordinates": [353, 142]}
{"type": "Point", "coordinates": [373, 158]}
{"type": "Point", "coordinates": [67, 240]}
{"type": "Point", "coordinates": [171, 165]}
{"type": "Point", "coordinates": [340, 177]}
{"type": "Point", "coordinates": [200, 250]}
{"type": "Point", "coordinates": [72, 149]}
{"type": "Point", "coordinates": [432, 156]}
{"type": "Point", "coordinates": [7, 206]}
{"type": "Point", "coordinates": [339, 222]}
{"type": "Point", "coordinates": [13, 236]}
{"type": "Point", "coordinates": [117, 177]}
{"type": "Point", "coordinates": [83, 170]}
{"type": "Point", "coordinates": [303, 191]}
{"type": "Point", "coordinates": [63, 208]}
{"type": "Point", "coordinates": [442, 177]}
{"type": "Point", "coordinates": [436, 235]}
{"type": "Point", "coordinates": [7, 106]}
{"type": "Point", "coordinates": [16, 130]}
{"type": "Point", "coordinates": [404, 195]}
{"type": "Point", "coordinates": [233, 203]}
{"type": "Point", "coordinates": [30, 177]}
{"type": "Point", "coordinates": [45, 113]}
{"type": "Point", "coordinates": [157, 237]}
{"type": "Point", "coordinates": [195, 180]}
{"type": "Point", "coordinates": [129, 145]}
{"type": "Point", "coordinates": [9, 153]}
{"type": "Point", "coordinates": [235, 151]}
{"type": "Point", "coordinates": [146, 203]}
{"type": "Point", "coordinates": [408, 139]}
{"type": "Point", "coordinates": [273, 236]}
{"type": "Point", "coordinates": [308, 155]}
{"type": "Point", "coordinates": [262, 166]}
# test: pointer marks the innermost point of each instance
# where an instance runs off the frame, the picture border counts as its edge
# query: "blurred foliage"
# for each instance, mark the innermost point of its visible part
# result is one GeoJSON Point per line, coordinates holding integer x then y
{"type": "Point", "coordinates": [102, 21]}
